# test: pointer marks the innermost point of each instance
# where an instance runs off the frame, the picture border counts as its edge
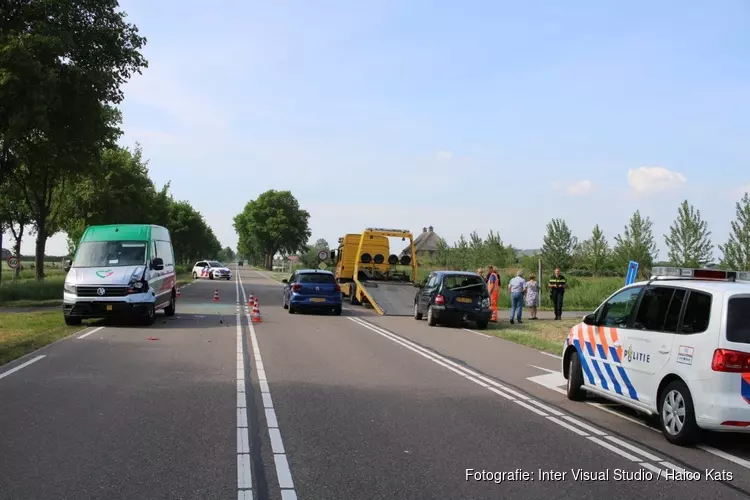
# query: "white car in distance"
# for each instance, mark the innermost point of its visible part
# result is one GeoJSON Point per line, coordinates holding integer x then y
{"type": "Point", "coordinates": [211, 269]}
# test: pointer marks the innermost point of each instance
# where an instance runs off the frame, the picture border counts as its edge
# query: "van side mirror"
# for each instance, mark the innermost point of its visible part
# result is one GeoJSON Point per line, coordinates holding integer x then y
{"type": "Point", "coordinates": [157, 264]}
{"type": "Point", "coordinates": [285, 280]}
{"type": "Point", "coordinates": [590, 319]}
{"type": "Point", "coordinates": [333, 255]}
{"type": "Point", "coordinates": [67, 264]}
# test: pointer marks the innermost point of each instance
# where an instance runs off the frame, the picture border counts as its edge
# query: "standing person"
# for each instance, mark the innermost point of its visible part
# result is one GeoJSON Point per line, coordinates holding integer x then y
{"type": "Point", "coordinates": [532, 295]}
{"type": "Point", "coordinates": [493, 286]}
{"type": "Point", "coordinates": [516, 287]}
{"type": "Point", "coordinates": [557, 285]}
{"type": "Point", "coordinates": [480, 272]}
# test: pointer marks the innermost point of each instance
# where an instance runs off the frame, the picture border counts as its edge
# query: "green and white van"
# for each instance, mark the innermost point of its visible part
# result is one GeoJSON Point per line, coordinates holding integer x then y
{"type": "Point", "coordinates": [121, 269]}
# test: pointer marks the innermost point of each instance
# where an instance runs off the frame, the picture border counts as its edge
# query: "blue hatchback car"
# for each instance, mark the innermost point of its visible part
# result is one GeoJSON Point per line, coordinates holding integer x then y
{"type": "Point", "coordinates": [312, 289]}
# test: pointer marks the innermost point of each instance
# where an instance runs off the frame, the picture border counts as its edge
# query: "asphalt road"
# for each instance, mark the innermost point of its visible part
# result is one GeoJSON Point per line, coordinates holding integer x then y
{"type": "Point", "coordinates": [319, 407]}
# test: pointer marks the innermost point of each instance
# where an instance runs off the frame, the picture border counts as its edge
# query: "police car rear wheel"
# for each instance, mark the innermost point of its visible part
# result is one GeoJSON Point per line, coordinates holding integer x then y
{"type": "Point", "coordinates": [575, 379]}
{"type": "Point", "coordinates": [677, 415]}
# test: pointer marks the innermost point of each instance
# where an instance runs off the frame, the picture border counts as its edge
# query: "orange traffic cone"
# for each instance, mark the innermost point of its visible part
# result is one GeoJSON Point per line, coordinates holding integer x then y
{"type": "Point", "coordinates": [255, 315]}
{"type": "Point", "coordinates": [216, 295]}
{"type": "Point", "coordinates": [178, 292]}
{"type": "Point", "coordinates": [250, 301]}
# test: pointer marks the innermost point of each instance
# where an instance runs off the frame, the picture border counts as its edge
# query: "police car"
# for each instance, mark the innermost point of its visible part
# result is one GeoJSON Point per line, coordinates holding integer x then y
{"type": "Point", "coordinates": [676, 346]}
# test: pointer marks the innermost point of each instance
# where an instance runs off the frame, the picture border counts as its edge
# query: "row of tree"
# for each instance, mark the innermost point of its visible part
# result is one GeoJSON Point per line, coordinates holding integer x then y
{"type": "Point", "coordinates": [688, 244]}
{"type": "Point", "coordinates": [270, 224]}
{"type": "Point", "coordinates": [63, 63]}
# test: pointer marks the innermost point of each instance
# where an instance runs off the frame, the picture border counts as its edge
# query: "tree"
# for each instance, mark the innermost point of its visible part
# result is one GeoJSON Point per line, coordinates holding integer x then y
{"type": "Point", "coordinates": [192, 238]}
{"type": "Point", "coordinates": [118, 191]}
{"type": "Point", "coordinates": [737, 248]}
{"type": "Point", "coordinates": [689, 240]}
{"type": "Point", "coordinates": [15, 216]}
{"type": "Point", "coordinates": [558, 245]}
{"type": "Point", "coordinates": [271, 223]}
{"type": "Point", "coordinates": [636, 243]}
{"type": "Point", "coordinates": [594, 253]}
{"type": "Point", "coordinates": [75, 55]}
{"type": "Point", "coordinates": [226, 255]}
{"type": "Point", "coordinates": [321, 244]}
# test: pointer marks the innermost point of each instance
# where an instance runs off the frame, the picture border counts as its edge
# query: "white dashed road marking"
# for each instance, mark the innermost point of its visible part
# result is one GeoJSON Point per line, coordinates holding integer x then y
{"type": "Point", "coordinates": [283, 473]}
{"type": "Point", "coordinates": [595, 435]}
{"type": "Point", "coordinates": [89, 333]}
{"type": "Point", "coordinates": [21, 366]}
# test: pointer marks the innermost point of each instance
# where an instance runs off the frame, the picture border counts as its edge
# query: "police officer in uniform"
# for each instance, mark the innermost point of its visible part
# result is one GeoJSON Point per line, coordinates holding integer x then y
{"type": "Point", "coordinates": [557, 285]}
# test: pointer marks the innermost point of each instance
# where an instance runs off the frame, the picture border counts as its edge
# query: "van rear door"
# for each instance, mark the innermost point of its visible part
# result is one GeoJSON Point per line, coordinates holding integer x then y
{"type": "Point", "coordinates": [732, 359]}
{"type": "Point", "coordinates": [463, 291]}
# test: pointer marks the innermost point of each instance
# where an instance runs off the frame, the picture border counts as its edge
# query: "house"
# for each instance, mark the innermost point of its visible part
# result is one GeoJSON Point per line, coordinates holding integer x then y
{"type": "Point", "coordinates": [425, 245]}
{"type": "Point", "coordinates": [5, 253]}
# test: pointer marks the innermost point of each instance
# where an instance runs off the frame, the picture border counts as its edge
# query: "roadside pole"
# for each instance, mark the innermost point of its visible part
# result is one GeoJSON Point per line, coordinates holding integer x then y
{"type": "Point", "coordinates": [539, 281]}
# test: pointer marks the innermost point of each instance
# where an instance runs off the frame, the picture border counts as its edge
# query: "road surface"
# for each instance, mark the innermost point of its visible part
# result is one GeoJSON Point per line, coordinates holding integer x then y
{"type": "Point", "coordinates": [208, 405]}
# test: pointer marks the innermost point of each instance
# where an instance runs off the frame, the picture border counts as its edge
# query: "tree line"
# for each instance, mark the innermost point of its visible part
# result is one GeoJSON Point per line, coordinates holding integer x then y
{"type": "Point", "coordinates": [272, 223]}
{"type": "Point", "coordinates": [63, 64]}
{"type": "Point", "coordinates": [688, 243]}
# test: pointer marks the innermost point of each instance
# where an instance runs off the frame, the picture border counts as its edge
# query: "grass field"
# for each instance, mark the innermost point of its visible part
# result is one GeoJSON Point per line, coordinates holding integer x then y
{"type": "Point", "coordinates": [22, 333]}
{"type": "Point", "coordinates": [545, 334]}
{"type": "Point", "coordinates": [28, 292]}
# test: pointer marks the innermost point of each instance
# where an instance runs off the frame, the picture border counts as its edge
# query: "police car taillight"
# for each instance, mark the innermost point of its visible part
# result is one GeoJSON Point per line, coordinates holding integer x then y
{"type": "Point", "coordinates": [726, 360]}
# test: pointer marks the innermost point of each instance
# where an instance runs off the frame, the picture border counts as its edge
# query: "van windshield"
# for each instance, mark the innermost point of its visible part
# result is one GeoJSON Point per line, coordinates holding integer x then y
{"type": "Point", "coordinates": [738, 320]}
{"type": "Point", "coordinates": [110, 254]}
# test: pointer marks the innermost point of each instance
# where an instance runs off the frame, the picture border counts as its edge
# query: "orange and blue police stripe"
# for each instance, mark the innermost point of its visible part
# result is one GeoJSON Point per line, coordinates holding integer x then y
{"type": "Point", "coordinates": [745, 387]}
{"type": "Point", "coordinates": [609, 357]}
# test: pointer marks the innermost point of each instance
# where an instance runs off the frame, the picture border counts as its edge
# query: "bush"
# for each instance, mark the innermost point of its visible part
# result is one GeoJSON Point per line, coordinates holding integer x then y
{"type": "Point", "coordinates": [50, 289]}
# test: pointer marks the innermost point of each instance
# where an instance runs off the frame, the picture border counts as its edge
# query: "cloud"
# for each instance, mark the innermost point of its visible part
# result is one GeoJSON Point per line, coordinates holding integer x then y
{"type": "Point", "coordinates": [574, 189]}
{"type": "Point", "coordinates": [580, 187]}
{"type": "Point", "coordinates": [443, 156]}
{"type": "Point", "coordinates": [651, 180]}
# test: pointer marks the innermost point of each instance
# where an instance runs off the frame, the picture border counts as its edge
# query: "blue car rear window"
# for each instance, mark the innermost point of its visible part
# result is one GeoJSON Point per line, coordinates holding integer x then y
{"type": "Point", "coordinates": [315, 278]}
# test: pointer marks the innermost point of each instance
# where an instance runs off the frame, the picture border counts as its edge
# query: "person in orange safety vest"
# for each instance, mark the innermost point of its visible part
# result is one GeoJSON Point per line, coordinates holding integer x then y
{"type": "Point", "coordinates": [493, 286]}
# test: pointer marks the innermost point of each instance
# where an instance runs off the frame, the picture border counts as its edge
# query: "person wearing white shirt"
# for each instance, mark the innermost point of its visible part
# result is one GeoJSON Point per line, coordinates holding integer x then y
{"type": "Point", "coordinates": [516, 287]}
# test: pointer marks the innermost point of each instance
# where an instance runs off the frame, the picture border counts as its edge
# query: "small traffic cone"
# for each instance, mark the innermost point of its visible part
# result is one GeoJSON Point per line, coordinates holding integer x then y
{"type": "Point", "coordinates": [216, 295]}
{"type": "Point", "coordinates": [255, 315]}
{"type": "Point", "coordinates": [250, 301]}
{"type": "Point", "coordinates": [178, 292]}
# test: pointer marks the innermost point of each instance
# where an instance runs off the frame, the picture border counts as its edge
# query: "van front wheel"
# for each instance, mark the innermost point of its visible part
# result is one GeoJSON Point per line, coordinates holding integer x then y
{"type": "Point", "coordinates": [72, 321]}
{"type": "Point", "coordinates": [149, 316]}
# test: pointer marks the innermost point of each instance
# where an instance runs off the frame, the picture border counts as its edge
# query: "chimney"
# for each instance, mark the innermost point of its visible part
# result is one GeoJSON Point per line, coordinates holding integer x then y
{"type": "Point", "coordinates": [430, 228]}
{"type": "Point", "coordinates": [424, 229]}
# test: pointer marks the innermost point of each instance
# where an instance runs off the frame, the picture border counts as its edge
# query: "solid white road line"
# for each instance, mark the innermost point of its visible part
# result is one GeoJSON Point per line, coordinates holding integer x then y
{"type": "Point", "coordinates": [244, 468]}
{"type": "Point", "coordinates": [551, 355]}
{"type": "Point", "coordinates": [283, 473]}
{"type": "Point", "coordinates": [89, 333]}
{"type": "Point", "coordinates": [23, 365]}
{"type": "Point", "coordinates": [592, 433]}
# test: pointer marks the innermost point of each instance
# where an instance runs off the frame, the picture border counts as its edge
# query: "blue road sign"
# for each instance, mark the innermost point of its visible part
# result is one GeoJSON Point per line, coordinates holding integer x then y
{"type": "Point", "coordinates": [632, 272]}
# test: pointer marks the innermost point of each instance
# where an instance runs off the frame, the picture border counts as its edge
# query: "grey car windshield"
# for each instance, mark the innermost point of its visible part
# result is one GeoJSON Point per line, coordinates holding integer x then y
{"type": "Point", "coordinates": [110, 254]}
{"type": "Point", "coordinates": [213, 263]}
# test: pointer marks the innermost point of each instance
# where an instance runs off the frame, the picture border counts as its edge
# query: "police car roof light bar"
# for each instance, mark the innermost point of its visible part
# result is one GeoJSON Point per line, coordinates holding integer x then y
{"type": "Point", "coordinates": [676, 273]}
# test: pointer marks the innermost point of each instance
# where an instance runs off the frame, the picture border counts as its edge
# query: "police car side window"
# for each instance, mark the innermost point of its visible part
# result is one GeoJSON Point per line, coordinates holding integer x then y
{"type": "Point", "coordinates": [675, 308]}
{"type": "Point", "coordinates": [738, 320]}
{"type": "Point", "coordinates": [616, 312]}
{"type": "Point", "coordinates": [697, 313]}
{"type": "Point", "coordinates": [652, 310]}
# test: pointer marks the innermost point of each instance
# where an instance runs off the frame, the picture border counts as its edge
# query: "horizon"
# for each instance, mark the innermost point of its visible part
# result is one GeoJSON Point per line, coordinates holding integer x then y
{"type": "Point", "coordinates": [446, 115]}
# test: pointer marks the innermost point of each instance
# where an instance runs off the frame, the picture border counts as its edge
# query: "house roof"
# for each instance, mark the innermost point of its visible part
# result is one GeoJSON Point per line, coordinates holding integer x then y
{"type": "Point", "coordinates": [427, 241]}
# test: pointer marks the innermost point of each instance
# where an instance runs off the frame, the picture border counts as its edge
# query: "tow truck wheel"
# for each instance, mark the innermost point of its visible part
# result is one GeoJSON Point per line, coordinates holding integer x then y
{"type": "Point", "coordinates": [677, 415]}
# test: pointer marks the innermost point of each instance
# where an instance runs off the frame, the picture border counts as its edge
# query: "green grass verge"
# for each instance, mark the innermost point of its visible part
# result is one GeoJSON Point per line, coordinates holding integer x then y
{"type": "Point", "coordinates": [544, 334]}
{"type": "Point", "coordinates": [22, 333]}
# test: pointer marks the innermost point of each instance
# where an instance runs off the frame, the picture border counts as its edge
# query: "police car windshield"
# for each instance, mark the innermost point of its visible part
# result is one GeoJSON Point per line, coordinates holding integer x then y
{"type": "Point", "coordinates": [110, 254]}
{"type": "Point", "coordinates": [214, 263]}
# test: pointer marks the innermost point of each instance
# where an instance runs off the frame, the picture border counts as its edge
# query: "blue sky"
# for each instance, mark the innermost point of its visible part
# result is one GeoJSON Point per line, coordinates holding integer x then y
{"type": "Point", "coordinates": [463, 115]}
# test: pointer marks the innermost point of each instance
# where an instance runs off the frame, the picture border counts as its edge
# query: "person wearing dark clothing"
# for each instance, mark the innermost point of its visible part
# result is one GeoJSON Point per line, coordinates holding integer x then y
{"type": "Point", "coordinates": [557, 285]}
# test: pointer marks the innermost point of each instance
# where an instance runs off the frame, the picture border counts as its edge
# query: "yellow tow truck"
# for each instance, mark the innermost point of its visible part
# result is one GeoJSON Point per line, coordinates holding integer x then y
{"type": "Point", "coordinates": [368, 273]}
